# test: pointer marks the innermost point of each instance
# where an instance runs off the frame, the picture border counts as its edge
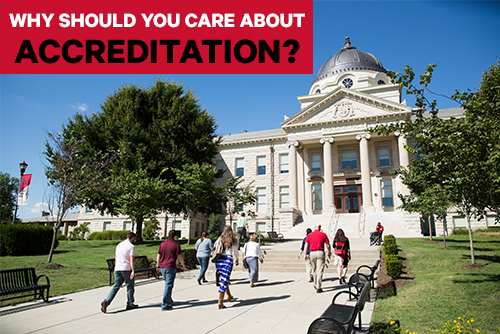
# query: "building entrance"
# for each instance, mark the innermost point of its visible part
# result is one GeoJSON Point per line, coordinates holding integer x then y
{"type": "Point", "coordinates": [348, 198]}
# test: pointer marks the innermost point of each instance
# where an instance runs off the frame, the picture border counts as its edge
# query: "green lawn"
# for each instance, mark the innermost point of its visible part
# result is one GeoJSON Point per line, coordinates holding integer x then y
{"type": "Point", "coordinates": [83, 264]}
{"type": "Point", "coordinates": [445, 286]}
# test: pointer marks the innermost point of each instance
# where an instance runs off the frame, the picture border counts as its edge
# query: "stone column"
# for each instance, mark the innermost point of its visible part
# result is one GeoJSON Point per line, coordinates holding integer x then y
{"type": "Point", "coordinates": [292, 173]}
{"type": "Point", "coordinates": [328, 164]}
{"type": "Point", "coordinates": [404, 158]}
{"type": "Point", "coordinates": [365, 169]}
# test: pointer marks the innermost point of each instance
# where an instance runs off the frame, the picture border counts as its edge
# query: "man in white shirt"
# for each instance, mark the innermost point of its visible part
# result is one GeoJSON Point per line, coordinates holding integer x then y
{"type": "Point", "coordinates": [242, 228]}
{"type": "Point", "coordinates": [124, 272]}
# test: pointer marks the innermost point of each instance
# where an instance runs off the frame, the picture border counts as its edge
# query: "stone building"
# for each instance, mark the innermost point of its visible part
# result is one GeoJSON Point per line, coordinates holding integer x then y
{"type": "Point", "coordinates": [321, 165]}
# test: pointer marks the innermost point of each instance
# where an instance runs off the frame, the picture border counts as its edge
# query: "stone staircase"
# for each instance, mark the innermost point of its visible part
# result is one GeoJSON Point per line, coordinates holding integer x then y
{"type": "Point", "coordinates": [401, 225]}
{"type": "Point", "coordinates": [282, 257]}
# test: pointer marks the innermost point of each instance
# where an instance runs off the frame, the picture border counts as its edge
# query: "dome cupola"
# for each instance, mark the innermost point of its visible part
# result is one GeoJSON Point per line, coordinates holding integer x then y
{"type": "Point", "coordinates": [349, 59]}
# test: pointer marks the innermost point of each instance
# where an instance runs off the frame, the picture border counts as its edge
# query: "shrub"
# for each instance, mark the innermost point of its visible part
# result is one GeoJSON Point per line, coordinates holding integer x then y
{"type": "Point", "coordinates": [79, 232]}
{"type": "Point", "coordinates": [61, 237]}
{"type": "Point", "coordinates": [26, 239]}
{"type": "Point", "coordinates": [150, 229]}
{"type": "Point", "coordinates": [108, 235]}
{"type": "Point", "coordinates": [214, 223]}
{"type": "Point", "coordinates": [393, 266]}
{"type": "Point", "coordinates": [389, 239]}
{"type": "Point", "coordinates": [390, 249]}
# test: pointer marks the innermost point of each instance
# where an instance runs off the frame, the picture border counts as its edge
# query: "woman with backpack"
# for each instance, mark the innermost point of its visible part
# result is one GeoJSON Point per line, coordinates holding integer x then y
{"type": "Point", "coordinates": [342, 251]}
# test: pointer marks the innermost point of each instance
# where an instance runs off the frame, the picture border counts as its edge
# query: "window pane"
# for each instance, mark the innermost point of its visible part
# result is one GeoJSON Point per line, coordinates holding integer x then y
{"type": "Point", "coordinates": [261, 161]}
{"type": "Point", "coordinates": [261, 170]}
{"type": "Point", "coordinates": [383, 155]}
{"type": "Point", "coordinates": [283, 163]}
{"type": "Point", "coordinates": [315, 161]}
{"type": "Point", "coordinates": [349, 158]}
{"type": "Point", "coordinates": [386, 189]}
{"type": "Point", "coordinates": [350, 189]}
{"type": "Point", "coordinates": [261, 199]}
{"type": "Point", "coordinates": [317, 197]}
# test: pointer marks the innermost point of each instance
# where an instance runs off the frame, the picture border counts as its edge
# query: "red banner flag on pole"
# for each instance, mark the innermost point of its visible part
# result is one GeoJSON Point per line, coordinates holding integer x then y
{"type": "Point", "coordinates": [24, 188]}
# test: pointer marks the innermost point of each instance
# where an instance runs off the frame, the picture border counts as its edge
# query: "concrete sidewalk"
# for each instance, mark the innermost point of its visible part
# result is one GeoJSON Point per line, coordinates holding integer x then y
{"type": "Point", "coordinates": [281, 303]}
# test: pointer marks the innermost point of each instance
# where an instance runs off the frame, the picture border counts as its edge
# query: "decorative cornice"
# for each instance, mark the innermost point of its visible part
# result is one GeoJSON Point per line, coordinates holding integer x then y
{"type": "Point", "coordinates": [253, 141]}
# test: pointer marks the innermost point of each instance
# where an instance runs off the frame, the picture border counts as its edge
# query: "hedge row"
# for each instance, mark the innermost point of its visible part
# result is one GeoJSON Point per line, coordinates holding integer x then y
{"type": "Point", "coordinates": [25, 239]}
{"type": "Point", "coordinates": [393, 263]}
{"type": "Point", "coordinates": [108, 235]}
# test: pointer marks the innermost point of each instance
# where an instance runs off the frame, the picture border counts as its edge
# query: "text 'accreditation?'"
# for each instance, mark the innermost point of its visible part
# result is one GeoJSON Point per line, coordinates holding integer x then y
{"type": "Point", "coordinates": [223, 37]}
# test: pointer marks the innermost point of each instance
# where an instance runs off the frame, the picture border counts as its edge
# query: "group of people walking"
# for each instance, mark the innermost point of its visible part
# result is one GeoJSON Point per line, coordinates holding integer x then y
{"type": "Point", "coordinates": [225, 254]}
{"type": "Point", "coordinates": [314, 246]}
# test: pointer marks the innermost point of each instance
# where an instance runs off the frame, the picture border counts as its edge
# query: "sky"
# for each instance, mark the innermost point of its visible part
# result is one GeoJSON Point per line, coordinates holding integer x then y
{"type": "Point", "coordinates": [461, 38]}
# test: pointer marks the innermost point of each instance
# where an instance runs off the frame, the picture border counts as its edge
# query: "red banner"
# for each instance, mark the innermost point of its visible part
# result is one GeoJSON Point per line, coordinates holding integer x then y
{"type": "Point", "coordinates": [157, 37]}
{"type": "Point", "coordinates": [24, 189]}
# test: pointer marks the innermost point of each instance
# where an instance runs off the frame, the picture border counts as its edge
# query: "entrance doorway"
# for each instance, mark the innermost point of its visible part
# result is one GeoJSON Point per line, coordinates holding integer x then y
{"type": "Point", "coordinates": [348, 198]}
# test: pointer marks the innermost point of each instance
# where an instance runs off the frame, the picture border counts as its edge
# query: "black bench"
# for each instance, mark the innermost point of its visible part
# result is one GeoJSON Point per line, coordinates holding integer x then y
{"type": "Point", "coordinates": [275, 236]}
{"type": "Point", "coordinates": [142, 265]}
{"type": "Point", "coordinates": [369, 271]}
{"type": "Point", "coordinates": [356, 284]}
{"type": "Point", "coordinates": [19, 281]}
{"type": "Point", "coordinates": [376, 238]}
{"type": "Point", "coordinates": [340, 318]}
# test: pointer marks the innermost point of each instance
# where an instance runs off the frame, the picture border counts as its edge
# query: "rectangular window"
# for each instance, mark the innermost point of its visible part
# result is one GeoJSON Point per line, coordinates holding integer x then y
{"type": "Point", "coordinates": [283, 163]}
{"type": "Point", "coordinates": [386, 188]}
{"type": "Point", "coordinates": [220, 167]}
{"type": "Point", "coordinates": [349, 158]}
{"type": "Point", "coordinates": [177, 227]}
{"type": "Point", "coordinates": [261, 227]}
{"type": "Point", "coordinates": [284, 197]}
{"type": "Point", "coordinates": [127, 226]}
{"type": "Point", "coordinates": [383, 155]}
{"type": "Point", "coordinates": [459, 222]}
{"type": "Point", "coordinates": [106, 226]}
{"type": "Point", "coordinates": [261, 165]}
{"type": "Point", "coordinates": [240, 167]}
{"type": "Point", "coordinates": [315, 161]}
{"type": "Point", "coordinates": [490, 221]}
{"type": "Point", "coordinates": [261, 199]}
{"type": "Point", "coordinates": [317, 201]}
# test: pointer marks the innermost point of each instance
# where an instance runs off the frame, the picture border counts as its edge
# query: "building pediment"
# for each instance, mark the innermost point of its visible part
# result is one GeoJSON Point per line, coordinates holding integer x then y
{"type": "Point", "coordinates": [344, 105]}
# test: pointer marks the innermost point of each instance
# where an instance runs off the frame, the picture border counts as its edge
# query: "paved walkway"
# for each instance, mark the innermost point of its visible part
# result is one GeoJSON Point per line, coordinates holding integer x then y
{"type": "Point", "coordinates": [281, 303]}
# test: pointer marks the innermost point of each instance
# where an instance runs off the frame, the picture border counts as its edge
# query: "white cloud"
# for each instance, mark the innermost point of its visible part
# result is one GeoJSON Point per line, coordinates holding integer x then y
{"type": "Point", "coordinates": [39, 207]}
{"type": "Point", "coordinates": [82, 107]}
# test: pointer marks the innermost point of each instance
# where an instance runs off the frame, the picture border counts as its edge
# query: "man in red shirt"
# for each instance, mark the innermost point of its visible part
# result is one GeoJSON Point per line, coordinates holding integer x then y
{"type": "Point", "coordinates": [316, 241]}
{"type": "Point", "coordinates": [166, 262]}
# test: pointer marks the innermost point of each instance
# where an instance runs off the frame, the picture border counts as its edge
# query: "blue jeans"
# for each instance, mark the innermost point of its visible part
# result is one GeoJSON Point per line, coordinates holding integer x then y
{"type": "Point", "coordinates": [120, 277]}
{"type": "Point", "coordinates": [169, 277]}
{"type": "Point", "coordinates": [203, 261]}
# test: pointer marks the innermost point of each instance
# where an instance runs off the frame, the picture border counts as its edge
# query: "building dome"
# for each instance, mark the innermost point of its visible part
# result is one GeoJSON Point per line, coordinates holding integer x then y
{"type": "Point", "coordinates": [349, 59]}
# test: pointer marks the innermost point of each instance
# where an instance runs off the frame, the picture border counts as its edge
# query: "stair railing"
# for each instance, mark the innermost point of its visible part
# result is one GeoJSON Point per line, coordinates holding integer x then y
{"type": "Point", "coordinates": [334, 221]}
{"type": "Point", "coordinates": [361, 222]}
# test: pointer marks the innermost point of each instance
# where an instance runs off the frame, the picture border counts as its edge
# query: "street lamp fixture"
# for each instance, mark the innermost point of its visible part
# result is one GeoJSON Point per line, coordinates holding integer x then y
{"type": "Point", "coordinates": [22, 167]}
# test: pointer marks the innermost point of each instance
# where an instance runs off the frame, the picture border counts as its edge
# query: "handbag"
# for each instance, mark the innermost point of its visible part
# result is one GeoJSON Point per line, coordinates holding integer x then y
{"type": "Point", "coordinates": [217, 253]}
{"type": "Point", "coordinates": [245, 263]}
{"type": "Point", "coordinates": [340, 251]}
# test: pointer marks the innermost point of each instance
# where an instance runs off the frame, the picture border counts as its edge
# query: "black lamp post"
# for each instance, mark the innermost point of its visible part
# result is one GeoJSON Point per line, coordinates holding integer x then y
{"type": "Point", "coordinates": [22, 167]}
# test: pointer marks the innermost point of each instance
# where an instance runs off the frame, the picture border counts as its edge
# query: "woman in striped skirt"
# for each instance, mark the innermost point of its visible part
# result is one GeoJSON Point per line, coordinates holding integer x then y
{"type": "Point", "coordinates": [224, 266]}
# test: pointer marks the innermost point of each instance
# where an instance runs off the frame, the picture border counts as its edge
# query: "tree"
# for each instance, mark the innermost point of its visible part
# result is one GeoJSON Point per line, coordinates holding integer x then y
{"type": "Point", "coordinates": [236, 196]}
{"type": "Point", "coordinates": [151, 227]}
{"type": "Point", "coordinates": [458, 157]}
{"type": "Point", "coordinates": [151, 131]}
{"type": "Point", "coordinates": [72, 178]}
{"type": "Point", "coordinates": [195, 190]}
{"type": "Point", "coordinates": [8, 196]}
{"type": "Point", "coordinates": [214, 226]}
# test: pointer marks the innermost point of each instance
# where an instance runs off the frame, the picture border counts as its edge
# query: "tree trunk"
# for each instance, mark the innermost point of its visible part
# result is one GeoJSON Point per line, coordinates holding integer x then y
{"type": "Point", "coordinates": [430, 225]}
{"type": "Point", "coordinates": [473, 261]}
{"type": "Point", "coordinates": [54, 235]}
{"type": "Point", "coordinates": [138, 231]}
